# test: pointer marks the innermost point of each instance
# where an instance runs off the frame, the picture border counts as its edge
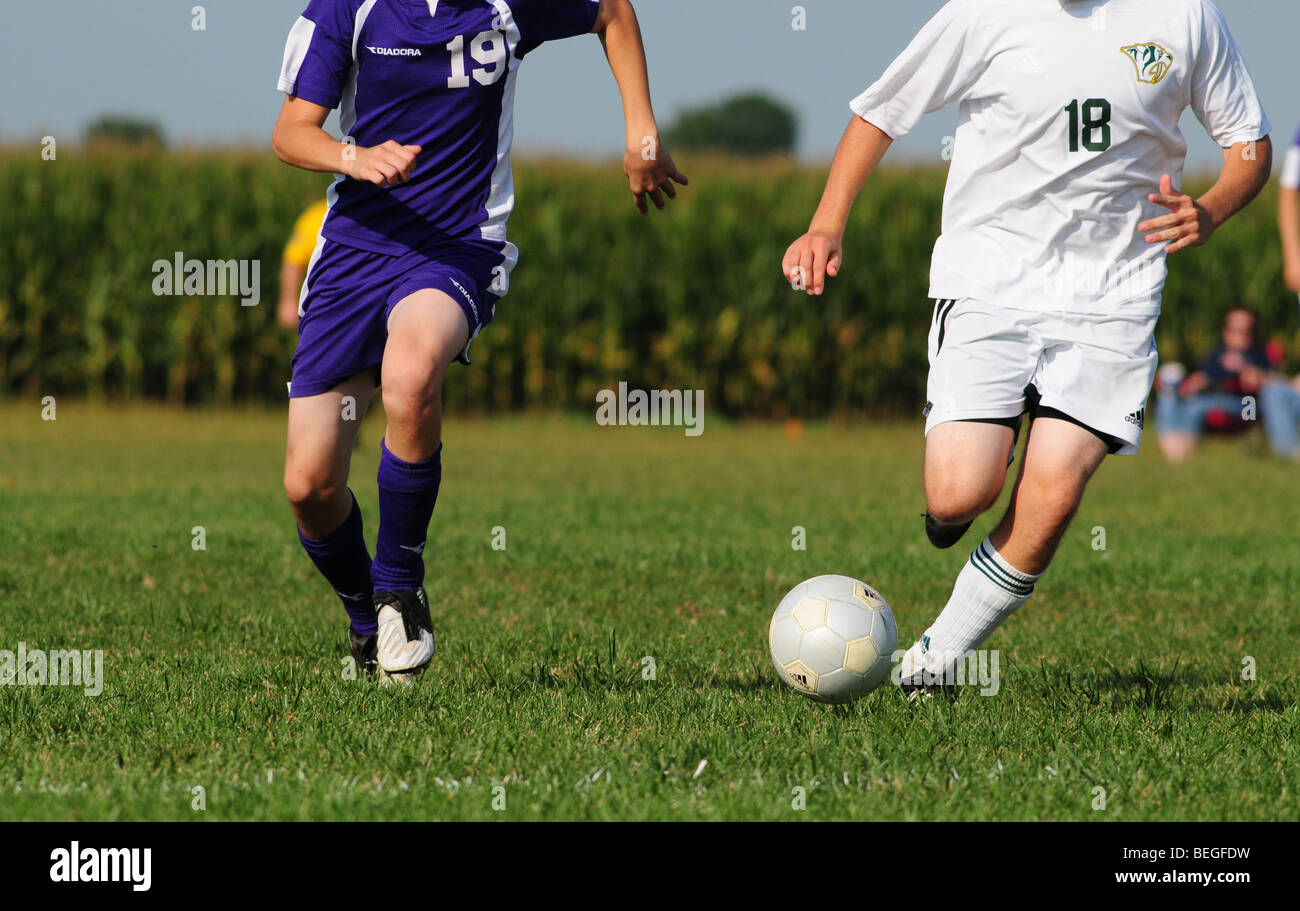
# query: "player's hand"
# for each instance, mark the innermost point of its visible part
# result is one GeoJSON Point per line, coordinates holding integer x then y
{"type": "Point", "coordinates": [287, 313]}
{"type": "Point", "coordinates": [1190, 225]}
{"type": "Point", "coordinates": [651, 173]}
{"type": "Point", "coordinates": [1292, 276]}
{"type": "Point", "coordinates": [811, 259]}
{"type": "Point", "coordinates": [384, 165]}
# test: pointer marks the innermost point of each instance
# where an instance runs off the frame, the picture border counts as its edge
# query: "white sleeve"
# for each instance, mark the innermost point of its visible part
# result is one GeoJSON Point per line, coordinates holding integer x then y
{"type": "Point", "coordinates": [1223, 94]}
{"type": "Point", "coordinates": [1291, 168]}
{"type": "Point", "coordinates": [936, 71]}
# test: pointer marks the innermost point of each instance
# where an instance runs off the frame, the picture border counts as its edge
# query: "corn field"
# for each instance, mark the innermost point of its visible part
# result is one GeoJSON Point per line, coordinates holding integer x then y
{"type": "Point", "coordinates": [690, 299]}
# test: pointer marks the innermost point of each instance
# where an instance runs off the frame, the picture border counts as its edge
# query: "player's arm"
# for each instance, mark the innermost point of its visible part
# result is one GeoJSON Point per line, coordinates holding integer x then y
{"type": "Point", "coordinates": [819, 253]}
{"type": "Point", "coordinates": [650, 169]}
{"type": "Point", "coordinates": [299, 140]}
{"type": "Point", "coordinates": [1288, 216]}
{"type": "Point", "coordinates": [1246, 170]}
{"type": "Point", "coordinates": [942, 66]}
{"type": "Point", "coordinates": [292, 275]}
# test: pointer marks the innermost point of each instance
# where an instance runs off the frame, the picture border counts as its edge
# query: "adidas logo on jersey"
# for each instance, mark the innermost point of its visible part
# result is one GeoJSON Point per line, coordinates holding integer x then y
{"type": "Point", "coordinates": [395, 51]}
{"type": "Point", "coordinates": [1138, 417]}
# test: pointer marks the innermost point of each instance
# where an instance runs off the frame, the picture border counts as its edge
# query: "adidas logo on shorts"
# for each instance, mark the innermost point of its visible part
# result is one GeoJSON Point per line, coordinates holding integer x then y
{"type": "Point", "coordinates": [1138, 417]}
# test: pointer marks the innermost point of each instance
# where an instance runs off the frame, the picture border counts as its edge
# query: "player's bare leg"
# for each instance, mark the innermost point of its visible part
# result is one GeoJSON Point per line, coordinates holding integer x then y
{"type": "Point", "coordinates": [1060, 458]}
{"type": "Point", "coordinates": [322, 432]}
{"type": "Point", "coordinates": [426, 332]}
{"type": "Point", "coordinates": [965, 469]}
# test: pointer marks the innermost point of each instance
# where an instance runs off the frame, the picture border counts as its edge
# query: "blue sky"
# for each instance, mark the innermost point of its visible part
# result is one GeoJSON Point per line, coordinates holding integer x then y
{"type": "Point", "coordinates": [65, 61]}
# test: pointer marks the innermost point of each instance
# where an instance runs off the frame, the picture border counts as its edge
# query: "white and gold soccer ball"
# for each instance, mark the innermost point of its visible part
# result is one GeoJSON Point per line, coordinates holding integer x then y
{"type": "Point", "coordinates": [833, 638]}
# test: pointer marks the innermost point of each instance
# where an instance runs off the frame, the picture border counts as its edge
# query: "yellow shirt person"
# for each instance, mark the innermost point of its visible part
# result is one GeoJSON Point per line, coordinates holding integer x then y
{"type": "Point", "coordinates": [297, 256]}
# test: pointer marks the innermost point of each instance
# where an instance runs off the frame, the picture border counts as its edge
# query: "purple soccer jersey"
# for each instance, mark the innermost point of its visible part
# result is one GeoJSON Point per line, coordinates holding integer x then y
{"type": "Point", "coordinates": [439, 74]}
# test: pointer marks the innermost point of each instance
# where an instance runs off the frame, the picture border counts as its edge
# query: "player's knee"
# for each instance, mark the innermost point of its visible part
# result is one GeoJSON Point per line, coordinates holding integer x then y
{"type": "Point", "coordinates": [956, 502]}
{"type": "Point", "coordinates": [307, 490]}
{"type": "Point", "coordinates": [412, 391]}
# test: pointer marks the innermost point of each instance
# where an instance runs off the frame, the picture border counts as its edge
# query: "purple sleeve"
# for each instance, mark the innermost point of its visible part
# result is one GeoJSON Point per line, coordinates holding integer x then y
{"type": "Point", "coordinates": [540, 21]}
{"type": "Point", "coordinates": [318, 54]}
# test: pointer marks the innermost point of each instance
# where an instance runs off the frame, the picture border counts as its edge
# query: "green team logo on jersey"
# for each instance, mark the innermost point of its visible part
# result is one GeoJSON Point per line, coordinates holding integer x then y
{"type": "Point", "coordinates": [1152, 61]}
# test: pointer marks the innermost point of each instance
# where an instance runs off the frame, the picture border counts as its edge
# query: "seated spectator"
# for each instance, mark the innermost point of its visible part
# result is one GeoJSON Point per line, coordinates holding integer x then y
{"type": "Point", "coordinates": [1185, 405]}
{"type": "Point", "coordinates": [1279, 412]}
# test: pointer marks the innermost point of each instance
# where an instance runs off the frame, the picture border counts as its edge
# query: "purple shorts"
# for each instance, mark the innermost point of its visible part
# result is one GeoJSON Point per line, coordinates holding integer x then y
{"type": "Point", "coordinates": [349, 294]}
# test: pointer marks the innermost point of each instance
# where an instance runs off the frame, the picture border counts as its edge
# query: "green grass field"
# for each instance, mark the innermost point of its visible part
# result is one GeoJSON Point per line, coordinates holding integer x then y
{"type": "Point", "coordinates": [223, 667]}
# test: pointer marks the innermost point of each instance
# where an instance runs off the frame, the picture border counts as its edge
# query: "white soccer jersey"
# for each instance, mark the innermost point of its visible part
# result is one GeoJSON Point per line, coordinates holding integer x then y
{"type": "Point", "coordinates": [1069, 114]}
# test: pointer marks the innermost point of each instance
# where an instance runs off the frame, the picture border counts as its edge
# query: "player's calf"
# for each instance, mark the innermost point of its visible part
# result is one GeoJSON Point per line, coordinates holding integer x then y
{"type": "Point", "coordinates": [1059, 462]}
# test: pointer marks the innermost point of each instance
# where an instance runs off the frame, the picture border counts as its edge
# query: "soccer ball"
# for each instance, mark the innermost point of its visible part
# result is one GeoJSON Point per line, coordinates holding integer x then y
{"type": "Point", "coordinates": [833, 638]}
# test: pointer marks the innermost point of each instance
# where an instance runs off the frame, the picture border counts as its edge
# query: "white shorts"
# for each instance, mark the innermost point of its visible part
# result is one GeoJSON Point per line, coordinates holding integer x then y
{"type": "Point", "coordinates": [988, 362]}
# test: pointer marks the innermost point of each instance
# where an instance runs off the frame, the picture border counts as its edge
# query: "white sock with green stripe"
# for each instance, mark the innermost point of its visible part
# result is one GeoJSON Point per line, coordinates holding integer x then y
{"type": "Point", "coordinates": [988, 591]}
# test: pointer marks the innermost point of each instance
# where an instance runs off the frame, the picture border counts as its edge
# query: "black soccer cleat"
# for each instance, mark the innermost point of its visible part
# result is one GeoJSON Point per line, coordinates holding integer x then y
{"type": "Point", "coordinates": [944, 536]}
{"type": "Point", "coordinates": [365, 651]}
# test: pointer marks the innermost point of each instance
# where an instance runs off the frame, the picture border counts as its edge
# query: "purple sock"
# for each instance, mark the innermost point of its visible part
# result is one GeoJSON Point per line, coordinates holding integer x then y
{"type": "Point", "coordinates": [407, 494]}
{"type": "Point", "coordinates": [343, 560]}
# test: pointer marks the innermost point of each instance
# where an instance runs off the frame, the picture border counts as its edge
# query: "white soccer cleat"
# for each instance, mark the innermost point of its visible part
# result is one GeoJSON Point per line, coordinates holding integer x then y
{"type": "Point", "coordinates": [405, 640]}
{"type": "Point", "coordinates": [913, 661]}
{"type": "Point", "coordinates": [921, 675]}
{"type": "Point", "coordinates": [387, 679]}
